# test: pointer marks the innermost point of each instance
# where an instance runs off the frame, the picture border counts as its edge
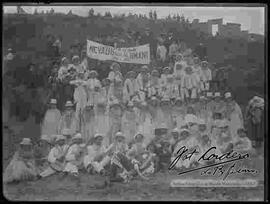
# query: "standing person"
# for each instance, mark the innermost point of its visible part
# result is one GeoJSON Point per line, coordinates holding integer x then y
{"type": "Point", "coordinates": [255, 121]}
{"type": "Point", "coordinates": [130, 87]}
{"type": "Point", "coordinates": [173, 49]}
{"type": "Point", "coordinates": [234, 114]}
{"type": "Point", "coordinates": [205, 77]}
{"type": "Point", "coordinates": [80, 96]}
{"type": "Point", "coordinates": [143, 79]}
{"type": "Point", "coordinates": [50, 124]}
{"type": "Point", "coordinates": [93, 87]}
{"type": "Point", "coordinates": [148, 38]}
{"type": "Point", "coordinates": [77, 65]}
{"type": "Point", "coordinates": [88, 122]}
{"type": "Point", "coordinates": [84, 62]}
{"type": "Point", "coordinates": [178, 74]}
{"type": "Point", "coordinates": [154, 84]}
{"type": "Point", "coordinates": [115, 74]}
{"type": "Point", "coordinates": [161, 53]}
{"type": "Point", "coordinates": [115, 118]}
{"type": "Point", "coordinates": [102, 120]}
{"type": "Point", "coordinates": [164, 81]}
{"type": "Point", "coordinates": [22, 166]}
{"type": "Point", "coordinates": [188, 84]}
{"type": "Point", "coordinates": [145, 122]}
{"type": "Point", "coordinates": [68, 119]}
{"type": "Point", "coordinates": [129, 126]}
{"type": "Point", "coordinates": [116, 91]}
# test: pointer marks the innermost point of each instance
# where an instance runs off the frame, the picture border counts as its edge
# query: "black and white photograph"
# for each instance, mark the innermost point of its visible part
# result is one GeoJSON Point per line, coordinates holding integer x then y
{"type": "Point", "coordinates": [134, 102]}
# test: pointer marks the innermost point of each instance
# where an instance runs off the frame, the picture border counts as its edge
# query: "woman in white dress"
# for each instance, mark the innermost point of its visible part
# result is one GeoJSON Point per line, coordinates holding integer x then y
{"type": "Point", "coordinates": [50, 124]}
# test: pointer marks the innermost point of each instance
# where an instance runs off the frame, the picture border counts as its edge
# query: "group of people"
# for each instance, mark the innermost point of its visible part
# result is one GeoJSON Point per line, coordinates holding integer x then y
{"type": "Point", "coordinates": [133, 125]}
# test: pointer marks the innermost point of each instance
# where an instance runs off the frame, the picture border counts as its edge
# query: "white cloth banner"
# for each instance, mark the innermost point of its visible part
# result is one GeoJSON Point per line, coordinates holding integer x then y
{"type": "Point", "coordinates": [136, 55]}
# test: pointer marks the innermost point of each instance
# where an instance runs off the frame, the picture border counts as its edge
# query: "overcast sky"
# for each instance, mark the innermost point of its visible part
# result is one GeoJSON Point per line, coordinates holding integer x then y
{"type": "Point", "coordinates": [250, 18]}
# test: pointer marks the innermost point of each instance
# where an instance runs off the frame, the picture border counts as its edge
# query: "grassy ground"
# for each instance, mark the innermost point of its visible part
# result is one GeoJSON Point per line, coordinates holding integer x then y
{"type": "Point", "coordinates": [90, 187]}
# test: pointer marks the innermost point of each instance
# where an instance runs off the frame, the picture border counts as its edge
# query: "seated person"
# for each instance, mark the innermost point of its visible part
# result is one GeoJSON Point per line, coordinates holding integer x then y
{"type": "Point", "coordinates": [56, 157]}
{"type": "Point", "coordinates": [243, 143]}
{"type": "Point", "coordinates": [22, 166]}
{"type": "Point", "coordinates": [41, 152]}
{"type": "Point", "coordinates": [96, 159]}
{"type": "Point", "coordinates": [75, 155]}
{"type": "Point", "coordinates": [224, 140]}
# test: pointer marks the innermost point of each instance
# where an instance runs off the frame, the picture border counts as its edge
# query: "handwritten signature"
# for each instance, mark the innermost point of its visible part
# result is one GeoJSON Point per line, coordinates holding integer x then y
{"type": "Point", "coordinates": [218, 162]}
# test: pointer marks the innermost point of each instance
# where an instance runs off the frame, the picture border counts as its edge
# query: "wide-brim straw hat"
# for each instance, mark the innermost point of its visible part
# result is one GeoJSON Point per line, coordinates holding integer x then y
{"type": "Point", "coordinates": [228, 95]}
{"type": "Point", "coordinates": [68, 104]}
{"type": "Point", "coordinates": [184, 130]}
{"type": "Point", "coordinates": [98, 135]}
{"type": "Point", "coordinates": [76, 57]}
{"type": "Point", "coordinates": [77, 136]}
{"type": "Point", "coordinates": [60, 137]}
{"type": "Point", "coordinates": [53, 101]}
{"type": "Point", "coordinates": [138, 134]}
{"type": "Point", "coordinates": [45, 138]}
{"type": "Point", "coordinates": [119, 134]}
{"type": "Point", "coordinates": [217, 94]}
{"type": "Point", "coordinates": [26, 141]}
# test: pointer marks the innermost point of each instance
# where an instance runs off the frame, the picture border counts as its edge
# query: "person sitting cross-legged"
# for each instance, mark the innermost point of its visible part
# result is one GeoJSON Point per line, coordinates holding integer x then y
{"type": "Point", "coordinates": [96, 159]}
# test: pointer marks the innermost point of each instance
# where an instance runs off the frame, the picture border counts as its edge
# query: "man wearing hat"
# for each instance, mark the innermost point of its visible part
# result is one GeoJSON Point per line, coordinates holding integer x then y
{"type": "Point", "coordinates": [233, 113]}
{"type": "Point", "coordinates": [96, 158]}
{"type": "Point", "coordinates": [51, 120]}
{"type": "Point", "coordinates": [75, 155]}
{"type": "Point", "coordinates": [22, 166]}
{"type": "Point", "coordinates": [41, 152]}
{"type": "Point", "coordinates": [68, 119]}
{"type": "Point", "coordinates": [56, 157]}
